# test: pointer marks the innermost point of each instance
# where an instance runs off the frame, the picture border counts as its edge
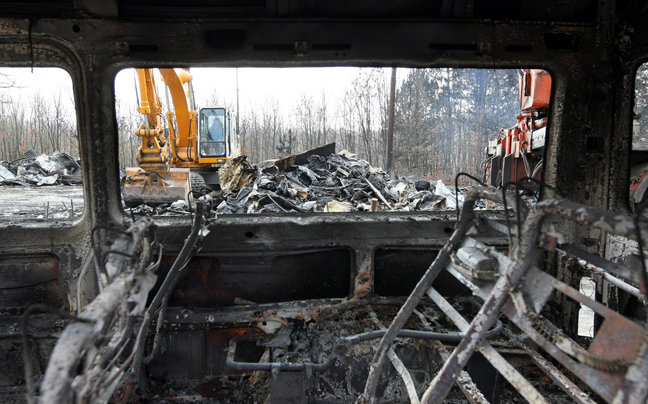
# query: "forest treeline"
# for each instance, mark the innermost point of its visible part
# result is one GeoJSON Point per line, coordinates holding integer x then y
{"type": "Point", "coordinates": [40, 122]}
{"type": "Point", "coordinates": [443, 120]}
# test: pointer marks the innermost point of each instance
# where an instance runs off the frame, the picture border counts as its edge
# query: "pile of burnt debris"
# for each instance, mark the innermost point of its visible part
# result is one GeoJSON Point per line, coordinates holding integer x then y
{"type": "Point", "coordinates": [321, 180]}
{"type": "Point", "coordinates": [45, 169]}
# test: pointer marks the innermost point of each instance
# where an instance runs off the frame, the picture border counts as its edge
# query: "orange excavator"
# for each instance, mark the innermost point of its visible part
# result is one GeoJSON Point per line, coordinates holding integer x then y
{"type": "Point", "coordinates": [518, 151]}
{"type": "Point", "coordinates": [184, 155]}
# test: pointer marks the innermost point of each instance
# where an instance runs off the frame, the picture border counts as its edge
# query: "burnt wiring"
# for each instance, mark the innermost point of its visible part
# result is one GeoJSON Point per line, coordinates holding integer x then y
{"type": "Point", "coordinates": [515, 186]}
{"type": "Point", "coordinates": [456, 184]}
{"type": "Point", "coordinates": [93, 243]}
{"type": "Point", "coordinates": [518, 186]}
{"type": "Point", "coordinates": [161, 298]}
{"type": "Point", "coordinates": [108, 375]}
{"type": "Point", "coordinates": [92, 261]}
{"type": "Point", "coordinates": [542, 185]}
{"type": "Point", "coordinates": [26, 343]}
{"type": "Point", "coordinates": [135, 242]}
{"type": "Point", "coordinates": [105, 254]}
{"type": "Point", "coordinates": [506, 214]}
{"type": "Point", "coordinates": [158, 337]}
{"type": "Point", "coordinates": [131, 265]}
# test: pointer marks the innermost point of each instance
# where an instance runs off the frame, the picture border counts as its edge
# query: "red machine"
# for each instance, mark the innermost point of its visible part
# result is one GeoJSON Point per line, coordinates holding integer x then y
{"type": "Point", "coordinates": [518, 151]}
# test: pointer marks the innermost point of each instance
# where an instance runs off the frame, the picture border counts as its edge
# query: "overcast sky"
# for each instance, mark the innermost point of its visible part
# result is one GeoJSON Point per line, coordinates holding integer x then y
{"type": "Point", "coordinates": [286, 85]}
{"type": "Point", "coordinates": [44, 80]}
{"type": "Point", "coordinates": [255, 84]}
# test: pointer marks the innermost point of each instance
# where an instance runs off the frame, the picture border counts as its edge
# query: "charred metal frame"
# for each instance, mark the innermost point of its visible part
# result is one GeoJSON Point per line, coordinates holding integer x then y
{"type": "Point", "coordinates": [592, 49]}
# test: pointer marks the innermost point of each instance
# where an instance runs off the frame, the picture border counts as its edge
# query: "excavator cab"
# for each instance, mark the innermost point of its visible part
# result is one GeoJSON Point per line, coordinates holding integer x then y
{"type": "Point", "coordinates": [213, 129]}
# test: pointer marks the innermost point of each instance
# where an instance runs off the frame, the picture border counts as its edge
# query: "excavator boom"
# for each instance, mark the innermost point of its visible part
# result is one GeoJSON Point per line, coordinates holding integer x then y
{"type": "Point", "coordinates": [155, 181]}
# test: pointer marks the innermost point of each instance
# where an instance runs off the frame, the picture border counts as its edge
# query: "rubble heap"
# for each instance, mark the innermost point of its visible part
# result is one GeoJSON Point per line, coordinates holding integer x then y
{"type": "Point", "coordinates": [45, 169]}
{"type": "Point", "coordinates": [337, 182]}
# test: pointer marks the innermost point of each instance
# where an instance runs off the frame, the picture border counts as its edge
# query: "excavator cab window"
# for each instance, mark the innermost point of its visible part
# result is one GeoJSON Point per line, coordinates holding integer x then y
{"type": "Point", "coordinates": [212, 132]}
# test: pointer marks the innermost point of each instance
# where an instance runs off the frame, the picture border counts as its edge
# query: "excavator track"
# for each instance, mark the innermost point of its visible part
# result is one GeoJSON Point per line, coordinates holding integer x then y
{"type": "Point", "coordinates": [197, 184]}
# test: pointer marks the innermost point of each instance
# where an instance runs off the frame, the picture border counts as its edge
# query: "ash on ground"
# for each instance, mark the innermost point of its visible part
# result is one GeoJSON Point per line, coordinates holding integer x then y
{"type": "Point", "coordinates": [41, 187]}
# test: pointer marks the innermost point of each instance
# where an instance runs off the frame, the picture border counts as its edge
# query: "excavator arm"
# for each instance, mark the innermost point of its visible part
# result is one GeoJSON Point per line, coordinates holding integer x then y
{"type": "Point", "coordinates": [153, 154]}
{"type": "Point", "coordinates": [154, 181]}
{"type": "Point", "coordinates": [184, 141]}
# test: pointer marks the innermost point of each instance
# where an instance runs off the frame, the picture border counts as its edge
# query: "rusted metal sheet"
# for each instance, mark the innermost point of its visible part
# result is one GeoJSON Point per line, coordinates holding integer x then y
{"type": "Point", "coordinates": [289, 162]}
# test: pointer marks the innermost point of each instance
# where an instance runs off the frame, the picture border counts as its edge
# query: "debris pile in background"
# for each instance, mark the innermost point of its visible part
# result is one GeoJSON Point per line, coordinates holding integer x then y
{"type": "Point", "coordinates": [321, 180]}
{"type": "Point", "coordinates": [45, 169]}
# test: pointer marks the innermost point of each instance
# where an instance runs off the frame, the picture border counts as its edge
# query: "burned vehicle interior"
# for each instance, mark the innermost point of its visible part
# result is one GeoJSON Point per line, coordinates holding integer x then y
{"type": "Point", "coordinates": [460, 305]}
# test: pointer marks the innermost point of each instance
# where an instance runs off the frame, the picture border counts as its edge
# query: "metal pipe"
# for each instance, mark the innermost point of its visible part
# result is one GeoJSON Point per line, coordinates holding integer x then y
{"type": "Point", "coordinates": [342, 345]}
{"type": "Point", "coordinates": [425, 335]}
{"type": "Point", "coordinates": [601, 263]}
{"type": "Point", "coordinates": [278, 366]}
{"type": "Point", "coordinates": [619, 283]}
